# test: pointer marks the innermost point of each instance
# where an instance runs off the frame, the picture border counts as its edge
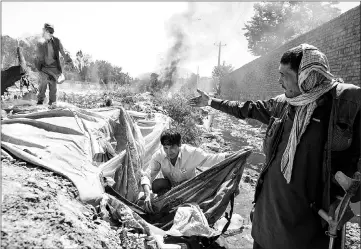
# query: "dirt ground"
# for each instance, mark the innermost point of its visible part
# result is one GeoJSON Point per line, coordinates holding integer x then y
{"type": "Point", "coordinates": [40, 210]}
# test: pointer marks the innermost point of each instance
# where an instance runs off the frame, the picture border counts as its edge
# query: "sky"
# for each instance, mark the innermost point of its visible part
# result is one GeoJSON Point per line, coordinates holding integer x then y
{"type": "Point", "coordinates": [138, 35]}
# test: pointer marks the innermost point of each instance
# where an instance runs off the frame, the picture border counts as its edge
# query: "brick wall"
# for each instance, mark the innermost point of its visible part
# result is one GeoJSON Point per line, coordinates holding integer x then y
{"type": "Point", "coordinates": [339, 39]}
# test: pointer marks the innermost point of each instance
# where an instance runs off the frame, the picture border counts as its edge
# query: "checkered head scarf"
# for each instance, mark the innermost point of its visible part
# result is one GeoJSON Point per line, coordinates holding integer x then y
{"type": "Point", "coordinates": [314, 80]}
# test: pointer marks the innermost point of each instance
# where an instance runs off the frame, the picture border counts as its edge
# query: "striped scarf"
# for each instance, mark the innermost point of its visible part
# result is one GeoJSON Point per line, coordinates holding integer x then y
{"type": "Point", "coordinates": [314, 80]}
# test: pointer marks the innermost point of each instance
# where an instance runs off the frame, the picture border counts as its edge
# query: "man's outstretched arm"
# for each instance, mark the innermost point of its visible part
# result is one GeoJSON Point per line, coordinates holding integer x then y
{"type": "Point", "coordinates": [65, 55]}
{"type": "Point", "coordinates": [259, 110]}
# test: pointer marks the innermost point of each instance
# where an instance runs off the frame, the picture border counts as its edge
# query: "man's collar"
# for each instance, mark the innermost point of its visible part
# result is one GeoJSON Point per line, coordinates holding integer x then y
{"type": "Point", "coordinates": [180, 153]}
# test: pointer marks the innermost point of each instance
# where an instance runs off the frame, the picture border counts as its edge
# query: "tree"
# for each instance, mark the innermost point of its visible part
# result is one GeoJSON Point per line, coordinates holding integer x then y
{"type": "Point", "coordinates": [8, 52]}
{"type": "Point", "coordinates": [222, 70]}
{"type": "Point", "coordinates": [154, 83]}
{"type": "Point", "coordinates": [82, 64]}
{"type": "Point", "coordinates": [92, 72]}
{"type": "Point", "coordinates": [219, 73]}
{"type": "Point", "coordinates": [104, 69]}
{"type": "Point", "coordinates": [275, 23]}
{"type": "Point", "coordinates": [190, 85]}
{"type": "Point", "coordinates": [117, 75]}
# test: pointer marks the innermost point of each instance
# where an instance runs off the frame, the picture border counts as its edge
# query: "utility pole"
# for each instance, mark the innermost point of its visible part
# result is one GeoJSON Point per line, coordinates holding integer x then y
{"type": "Point", "coordinates": [220, 45]}
{"type": "Point", "coordinates": [218, 87]}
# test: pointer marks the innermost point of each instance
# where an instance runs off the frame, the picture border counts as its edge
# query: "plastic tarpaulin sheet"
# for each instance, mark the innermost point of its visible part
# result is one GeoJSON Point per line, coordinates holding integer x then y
{"type": "Point", "coordinates": [189, 220]}
{"type": "Point", "coordinates": [211, 190]}
{"type": "Point", "coordinates": [68, 140]}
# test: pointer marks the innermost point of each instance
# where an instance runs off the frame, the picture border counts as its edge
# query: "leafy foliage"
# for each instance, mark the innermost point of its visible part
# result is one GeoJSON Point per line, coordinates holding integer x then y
{"type": "Point", "coordinates": [154, 84]}
{"type": "Point", "coordinates": [222, 70]}
{"type": "Point", "coordinates": [275, 23]}
{"type": "Point", "coordinates": [82, 64]}
{"type": "Point", "coordinates": [189, 87]}
{"type": "Point", "coordinates": [185, 118]}
{"type": "Point", "coordinates": [219, 74]}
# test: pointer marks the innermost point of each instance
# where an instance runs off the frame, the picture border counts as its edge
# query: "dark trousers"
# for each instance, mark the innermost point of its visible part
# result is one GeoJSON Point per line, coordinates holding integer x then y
{"type": "Point", "coordinates": [256, 246]}
{"type": "Point", "coordinates": [161, 185]}
{"type": "Point", "coordinates": [320, 244]}
{"type": "Point", "coordinates": [44, 81]}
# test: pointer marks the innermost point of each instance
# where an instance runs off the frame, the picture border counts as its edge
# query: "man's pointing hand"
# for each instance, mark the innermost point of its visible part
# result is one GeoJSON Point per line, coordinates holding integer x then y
{"type": "Point", "coordinates": [199, 101]}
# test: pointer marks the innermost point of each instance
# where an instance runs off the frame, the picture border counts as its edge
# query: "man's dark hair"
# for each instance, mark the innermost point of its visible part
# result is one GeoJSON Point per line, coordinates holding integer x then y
{"type": "Point", "coordinates": [170, 137]}
{"type": "Point", "coordinates": [49, 27]}
{"type": "Point", "coordinates": [293, 58]}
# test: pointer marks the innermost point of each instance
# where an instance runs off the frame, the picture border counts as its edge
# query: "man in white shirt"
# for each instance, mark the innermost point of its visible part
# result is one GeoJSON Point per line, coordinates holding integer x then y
{"type": "Point", "coordinates": [177, 162]}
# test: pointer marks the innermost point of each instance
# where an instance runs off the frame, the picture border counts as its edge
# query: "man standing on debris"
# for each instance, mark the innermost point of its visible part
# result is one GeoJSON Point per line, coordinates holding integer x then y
{"type": "Point", "coordinates": [177, 162]}
{"type": "Point", "coordinates": [48, 63]}
{"type": "Point", "coordinates": [313, 126]}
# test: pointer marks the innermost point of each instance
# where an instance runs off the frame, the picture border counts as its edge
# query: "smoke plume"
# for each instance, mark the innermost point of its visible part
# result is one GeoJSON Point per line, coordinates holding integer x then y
{"type": "Point", "coordinates": [178, 51]}
{"type": "Point", "coordinates": [193, 34]}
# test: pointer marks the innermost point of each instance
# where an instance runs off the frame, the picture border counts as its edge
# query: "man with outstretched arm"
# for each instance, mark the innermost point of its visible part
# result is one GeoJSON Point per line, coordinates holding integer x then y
{"type": "Point", "coordinates": [313, 132]}
{"type": "Point", "coordinates": [177, 162]}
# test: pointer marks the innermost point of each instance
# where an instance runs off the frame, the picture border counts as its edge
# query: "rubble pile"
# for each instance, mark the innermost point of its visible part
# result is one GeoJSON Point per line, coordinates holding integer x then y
{"type": "Point", "coordinates": [143, 102]}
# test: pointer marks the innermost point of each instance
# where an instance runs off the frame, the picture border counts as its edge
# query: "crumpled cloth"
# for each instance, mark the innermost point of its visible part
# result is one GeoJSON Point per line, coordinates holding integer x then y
{"type": "Point", "coordinates": [189, 220]}
{"type": "Point", "coordinates": [76, 143]}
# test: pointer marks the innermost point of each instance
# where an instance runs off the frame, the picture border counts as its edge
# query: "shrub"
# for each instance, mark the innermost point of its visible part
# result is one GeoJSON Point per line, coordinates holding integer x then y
{"type": "Point", "coordinates": [122, 92]}
{"type": "Point", "coordinates": [185, 118]}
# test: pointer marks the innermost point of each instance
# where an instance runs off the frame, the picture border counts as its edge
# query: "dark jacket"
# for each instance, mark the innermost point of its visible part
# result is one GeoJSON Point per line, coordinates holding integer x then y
{"type": "Point", "coordinates": [337, 148]}
{"type": "Point", "coordinates": [41, 52]}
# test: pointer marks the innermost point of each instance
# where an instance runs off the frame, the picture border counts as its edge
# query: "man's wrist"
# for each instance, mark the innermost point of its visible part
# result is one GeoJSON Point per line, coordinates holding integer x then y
{"type": "Point", "coordinates": [209, 101]}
